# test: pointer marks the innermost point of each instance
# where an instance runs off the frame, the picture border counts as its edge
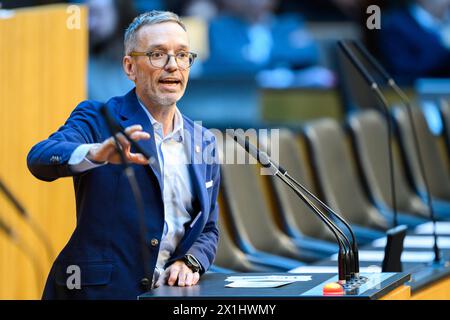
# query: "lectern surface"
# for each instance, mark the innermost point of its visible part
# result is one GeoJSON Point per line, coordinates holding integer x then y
{"type": "Point", "coordinates": [212, 286]}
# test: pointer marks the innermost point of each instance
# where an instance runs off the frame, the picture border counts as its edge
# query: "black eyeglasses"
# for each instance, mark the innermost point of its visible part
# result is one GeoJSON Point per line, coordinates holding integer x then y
{"type": "Point", "coordinates": [159, 59]}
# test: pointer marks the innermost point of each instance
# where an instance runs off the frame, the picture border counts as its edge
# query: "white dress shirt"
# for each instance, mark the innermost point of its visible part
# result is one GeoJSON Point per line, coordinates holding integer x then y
{"type": "Point", "coordinates": [178, 192]}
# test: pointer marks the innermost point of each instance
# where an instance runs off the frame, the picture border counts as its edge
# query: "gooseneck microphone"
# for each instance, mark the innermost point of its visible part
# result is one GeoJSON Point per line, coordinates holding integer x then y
{"type": "Point", "coordinates": [20, 209]}
{"type": "Point", "coordinates": [266, 162]}
{"type": "Point", "coordinates": [375, 88]}
{"type": "Point", "coordinates": [113, 126]}
{"type": "Point", "coordinates": [391, 82]}
{"type": "Point", "coordinates": [14, 237]}
{"type": "Point", "coordinates": [115, 129]}
{"type": "Point", "coordinates": [348, 262]}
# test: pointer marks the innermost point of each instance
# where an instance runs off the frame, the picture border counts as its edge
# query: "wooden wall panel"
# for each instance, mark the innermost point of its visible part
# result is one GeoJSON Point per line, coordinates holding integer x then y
{"type": "Point", "coordinates": [42, 78]}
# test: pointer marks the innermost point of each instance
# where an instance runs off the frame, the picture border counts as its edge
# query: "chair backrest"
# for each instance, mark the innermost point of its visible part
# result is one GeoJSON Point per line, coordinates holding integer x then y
{"type": "Point", "coordinates": [295, 214]}
{"type": "Point", "coordinates": [228, 254]}
{"type": "Point", "coordinates": [434, 164]}
{"type": "Point", "coordinates": [370, 139]}
{"type": "Point", "coordinates": [248, 206]}
{"type": "Point", "coordinates": [337, 174]}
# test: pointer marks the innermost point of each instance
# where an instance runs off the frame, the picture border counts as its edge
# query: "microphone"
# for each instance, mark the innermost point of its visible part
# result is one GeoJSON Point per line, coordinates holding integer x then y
{"type": "Point", "coordinates": [115, 129]}
{"type": "Point", "coordinates": [13, 236]}
{"type": "Point", "coordinates": [20, 209]}
{"type": "Point", "coordinates": [374, 86]}
{"type": "Point", "coordinates": [391, 82]}
{"type": "Point", "coordinates": [348, 262]}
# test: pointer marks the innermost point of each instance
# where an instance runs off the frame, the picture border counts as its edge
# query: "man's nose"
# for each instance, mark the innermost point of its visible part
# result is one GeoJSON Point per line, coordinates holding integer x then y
{"type": "Point", "coordinates": [171, 64]}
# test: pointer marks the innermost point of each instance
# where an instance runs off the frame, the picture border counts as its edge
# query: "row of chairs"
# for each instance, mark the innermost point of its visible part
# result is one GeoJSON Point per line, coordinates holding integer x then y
{"type": "Point", "coordinates": [265, 227]}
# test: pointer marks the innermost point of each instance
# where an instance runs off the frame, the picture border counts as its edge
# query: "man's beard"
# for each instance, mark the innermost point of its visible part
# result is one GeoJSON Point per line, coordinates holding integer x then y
{"type": "Point", "coordinates": [164, 100]}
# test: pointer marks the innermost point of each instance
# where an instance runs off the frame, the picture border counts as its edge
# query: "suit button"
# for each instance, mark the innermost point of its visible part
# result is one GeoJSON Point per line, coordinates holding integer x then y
{"type": "Point", "coordinates": [145, 282]}
{"type": "Point", "coordinates": [154, 242]}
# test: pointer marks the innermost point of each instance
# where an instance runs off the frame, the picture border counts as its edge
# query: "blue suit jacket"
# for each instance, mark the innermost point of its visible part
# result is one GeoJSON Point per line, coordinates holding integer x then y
{"type": "Point", "coordinates": [106, 243]}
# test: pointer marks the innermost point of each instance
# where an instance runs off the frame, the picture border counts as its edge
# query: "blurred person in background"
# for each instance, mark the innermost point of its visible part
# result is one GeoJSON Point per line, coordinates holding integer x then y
{"type": "Point", "coordinates": [248, 39]}
{"type": "Point", "coordinates": [326, 10]}
{"type": "Point", "coordinates": [107, 21]}
{"type": "Point", "coordinates": [204, 9]}
{"type": "Point", "coordinates": [414, 41]}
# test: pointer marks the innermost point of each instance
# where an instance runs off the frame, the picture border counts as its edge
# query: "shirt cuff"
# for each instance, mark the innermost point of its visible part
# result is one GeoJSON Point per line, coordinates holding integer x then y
{"type": "Point", "coordinates": [79, 163]}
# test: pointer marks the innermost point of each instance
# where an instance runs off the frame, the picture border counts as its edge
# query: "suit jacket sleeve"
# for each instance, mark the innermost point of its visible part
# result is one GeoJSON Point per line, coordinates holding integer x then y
{"type": "Point", "coordinates": [48, 160]}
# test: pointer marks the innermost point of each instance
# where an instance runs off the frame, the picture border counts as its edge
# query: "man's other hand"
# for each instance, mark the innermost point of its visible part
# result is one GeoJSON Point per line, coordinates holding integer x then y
{"type": "Point", "coordinates": [178, 273]}
{"type": "Point", "coordinates": [107, 151]}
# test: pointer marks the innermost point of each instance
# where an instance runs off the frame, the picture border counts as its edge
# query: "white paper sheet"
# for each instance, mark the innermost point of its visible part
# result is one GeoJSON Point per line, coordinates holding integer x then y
{"type": "Point", "coordinates": [332, 269]}
{"type": "Point", "coordinates": [269, 278]}
{"type": "Point", "coordinates": [417, 242]}
{"type": "Point", "coordinates": [257, 284]}
{"type": "Point", "coordinates": [269, 281]}
{"type": "Point", "coordinates": [407, 256]}
{"type": "Point", "coordinates": [427, 228]}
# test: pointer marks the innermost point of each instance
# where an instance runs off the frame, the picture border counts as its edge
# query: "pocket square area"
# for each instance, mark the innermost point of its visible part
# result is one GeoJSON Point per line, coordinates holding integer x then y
{"type": "Point", "coordinates": [209, 184]}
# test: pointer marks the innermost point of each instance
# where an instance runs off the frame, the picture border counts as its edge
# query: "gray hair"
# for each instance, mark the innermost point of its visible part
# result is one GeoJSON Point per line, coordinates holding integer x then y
{"type": "Point", "coordinates": [147, 18]}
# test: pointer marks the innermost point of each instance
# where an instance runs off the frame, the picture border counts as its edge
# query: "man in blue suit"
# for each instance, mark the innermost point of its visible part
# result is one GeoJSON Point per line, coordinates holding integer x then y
{"type": "Point", "coordinates": [179, 183]}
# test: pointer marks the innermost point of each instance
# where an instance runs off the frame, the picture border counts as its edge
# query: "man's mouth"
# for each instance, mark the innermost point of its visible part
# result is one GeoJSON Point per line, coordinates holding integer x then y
{"type": "Point", "coordinates": [170, 81]}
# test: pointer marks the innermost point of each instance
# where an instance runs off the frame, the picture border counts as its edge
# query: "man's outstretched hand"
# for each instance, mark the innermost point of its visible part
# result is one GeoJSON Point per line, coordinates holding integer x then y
{"type": "Point", "coordinates": [107, 151]}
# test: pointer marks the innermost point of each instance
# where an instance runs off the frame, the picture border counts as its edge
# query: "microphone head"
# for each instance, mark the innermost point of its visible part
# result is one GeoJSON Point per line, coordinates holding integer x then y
{"type": "Point", "coordinates": [260, 156]}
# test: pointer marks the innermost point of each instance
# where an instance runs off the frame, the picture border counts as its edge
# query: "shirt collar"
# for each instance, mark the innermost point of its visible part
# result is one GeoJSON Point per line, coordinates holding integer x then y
{"type": "Point", "coordinates": [177, 132]}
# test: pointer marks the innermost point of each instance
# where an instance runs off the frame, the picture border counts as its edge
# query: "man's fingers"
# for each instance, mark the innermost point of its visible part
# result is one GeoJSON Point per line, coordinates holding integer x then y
{"type": "Point", "coordinates": [173, 276]}
{"type": "Point", "coordinates": [182, 278]}
{"type": "Point", "coordinates": [162, 278]}
{"type": "Point", "coordinates": [139, 135]}
{"type": "Point", "coordinates": [136, 127]}
{"type": "Point", "coordinates": [189, 279]}
{"type": "Point", "coordinates": [196, 278]}
{"type": "Point", "coordinates": [137, 158]}
{"type": "Point", "coordinates": [124, 143]}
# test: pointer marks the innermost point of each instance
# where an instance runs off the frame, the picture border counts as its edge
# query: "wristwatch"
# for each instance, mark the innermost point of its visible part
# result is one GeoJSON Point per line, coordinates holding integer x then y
{"type": "Point", "coordinates": [192, 263]}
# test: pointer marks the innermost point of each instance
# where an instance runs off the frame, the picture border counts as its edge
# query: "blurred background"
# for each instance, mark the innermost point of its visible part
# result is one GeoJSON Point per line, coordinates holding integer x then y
{"type": "Point", "coordinates": [262, 63]}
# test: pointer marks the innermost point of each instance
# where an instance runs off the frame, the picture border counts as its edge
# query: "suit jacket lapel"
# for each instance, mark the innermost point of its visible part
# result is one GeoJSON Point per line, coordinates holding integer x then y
{"type": "Point", "coordinates": [132, 113]}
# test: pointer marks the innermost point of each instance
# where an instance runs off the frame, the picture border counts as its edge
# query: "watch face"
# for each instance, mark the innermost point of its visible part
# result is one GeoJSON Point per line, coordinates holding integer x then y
{"type": "Point", "coordinates": [191, 263]}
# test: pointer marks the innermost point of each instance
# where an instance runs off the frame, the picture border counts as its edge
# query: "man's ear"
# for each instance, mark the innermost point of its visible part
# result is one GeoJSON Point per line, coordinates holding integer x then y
{"type": "Point", "coordinates": [129, 68]}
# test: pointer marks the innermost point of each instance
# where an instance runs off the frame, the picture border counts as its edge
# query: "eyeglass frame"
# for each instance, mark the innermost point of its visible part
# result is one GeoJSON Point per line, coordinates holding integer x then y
{"type": "Point", "coordinates": [149, 53]}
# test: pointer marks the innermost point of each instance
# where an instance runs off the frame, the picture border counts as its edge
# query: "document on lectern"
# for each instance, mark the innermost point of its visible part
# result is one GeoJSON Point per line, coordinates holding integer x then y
{"type": "Point", "coordinates": [257, 284]}
{"type": "Point", "coordinates": [270, 278]}
{"type": "Point", "coordinates": [269, 281]}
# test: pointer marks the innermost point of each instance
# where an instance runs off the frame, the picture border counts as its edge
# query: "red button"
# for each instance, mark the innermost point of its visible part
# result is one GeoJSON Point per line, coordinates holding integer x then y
{"type": "Point", "coordinates": [333, 289]}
